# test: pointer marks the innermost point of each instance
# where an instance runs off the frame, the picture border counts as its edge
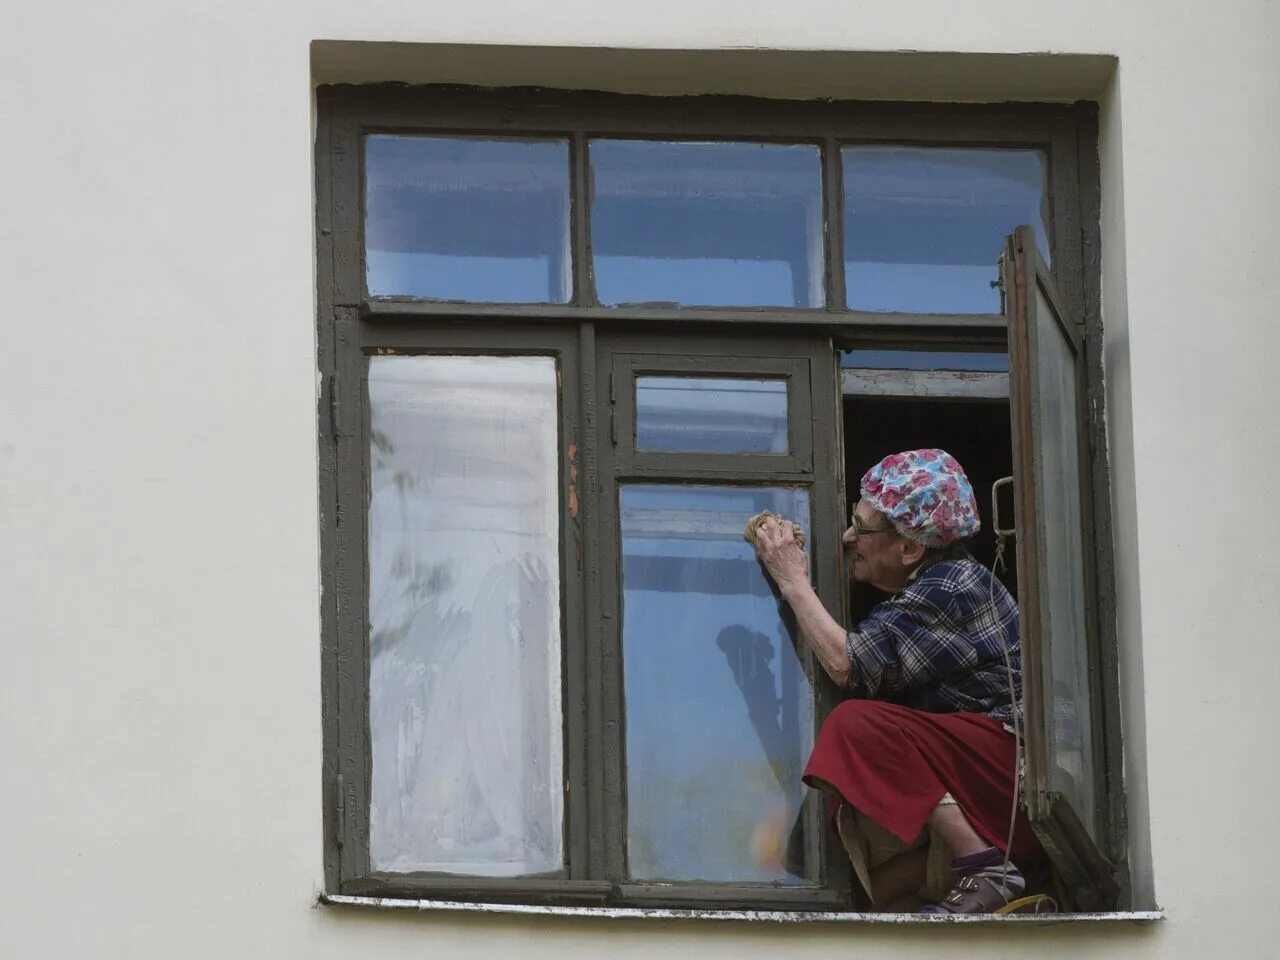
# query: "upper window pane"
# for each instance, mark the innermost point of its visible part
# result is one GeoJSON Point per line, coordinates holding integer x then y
{"type": "Point", "coordinates": [711, 414]}
{"type": "Point", "coordinates": [731, 224]}
{"type": "Point", "coordinates": [924, 227]}
{"type": "Point", "coordinates": [465, 723]}
{"type": "Point", "coordinates": [463, 218]}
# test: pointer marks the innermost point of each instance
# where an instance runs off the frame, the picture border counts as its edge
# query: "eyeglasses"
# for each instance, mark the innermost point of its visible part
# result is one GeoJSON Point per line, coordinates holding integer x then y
{"type": "Point", "coordinates": [855, 524]}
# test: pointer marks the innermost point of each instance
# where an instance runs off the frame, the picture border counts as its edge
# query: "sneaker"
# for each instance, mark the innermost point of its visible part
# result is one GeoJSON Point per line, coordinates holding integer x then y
{"type": "Point", "coordinates": [983, 884]}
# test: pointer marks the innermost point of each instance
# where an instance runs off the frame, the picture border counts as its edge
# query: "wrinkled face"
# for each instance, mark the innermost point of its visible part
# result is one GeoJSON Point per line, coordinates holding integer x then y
{"type": "Point", "coordinates": [877, 552]}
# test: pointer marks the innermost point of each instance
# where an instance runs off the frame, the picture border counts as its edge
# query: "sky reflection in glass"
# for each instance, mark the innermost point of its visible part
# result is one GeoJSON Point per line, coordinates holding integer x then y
{"type": "Point", "coordinates": [924, 360]}
{"type": "Point", "coordinates": [719, 710]}
{"type": "Point", "coordinates": [711, 414]}
{"type": "Point", "coordinates": [731, 223]}
{"type": "Point", "coordinates": [924, 226]}
{"type": "Point", "coordinates": [464, 218]}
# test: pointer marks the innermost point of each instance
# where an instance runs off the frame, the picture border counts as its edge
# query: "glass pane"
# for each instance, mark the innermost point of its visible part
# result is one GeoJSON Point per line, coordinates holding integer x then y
{"type": "Point", "coordinates": [462, 218]}
{"type": "Point", "coordinates": [924, 227]}
{"type": "Point", "coordinates": [924, 360]}
{"type": "Point", "coordinates": [719, 708]}
{"type": "Point", "coordinates": [464, 616]}
{"type": "Point", "coordinates": [736, 224]}
{"type": "Point", "coordinates": [711, 414]}
{"type": "Point", "coordinates": [1071, 769]}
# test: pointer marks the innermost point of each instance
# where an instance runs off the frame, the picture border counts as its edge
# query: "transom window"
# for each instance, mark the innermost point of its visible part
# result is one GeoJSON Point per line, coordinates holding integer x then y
{"type": "Point", "coordinates": [570, 344]}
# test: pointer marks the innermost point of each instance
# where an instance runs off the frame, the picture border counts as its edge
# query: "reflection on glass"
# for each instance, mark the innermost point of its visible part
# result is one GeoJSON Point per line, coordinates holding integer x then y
{"type": "Point", "coordinates": [1072, 769]}
{"type": "Point", "coordinates": [924, 360]}
{"type": "Point", "coordinates": [719, 710]}
{"type": "Point", "coordinates": [736, 224]}
{"type": "Point", "coordinates": [924, 226]}
{"type": "Point", "coordinates": [464, 616]}
{"type": "Point", "coordinates": [711, 414]}
{"type": "Point", "coordinates": [464, 218]}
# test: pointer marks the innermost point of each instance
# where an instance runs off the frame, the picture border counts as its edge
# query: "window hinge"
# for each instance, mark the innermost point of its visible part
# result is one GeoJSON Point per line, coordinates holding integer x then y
{"type": "Point", "coordinates": [998, 282]}
{"type": "Point", "coordinates": [333, 406]}
{"type": "Point", "coordinates": [613, 416]}
{"type": "Point", "coordinates": [339, 811]}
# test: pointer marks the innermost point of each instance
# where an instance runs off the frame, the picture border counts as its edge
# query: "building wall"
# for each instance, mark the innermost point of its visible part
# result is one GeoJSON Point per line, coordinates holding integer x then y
{"type": "Point", "coordinates": [158, 506]}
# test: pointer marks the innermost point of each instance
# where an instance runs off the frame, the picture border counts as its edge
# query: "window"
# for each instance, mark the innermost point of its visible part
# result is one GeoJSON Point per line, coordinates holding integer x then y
{"type": "Point", "coordinates": [569, 343]}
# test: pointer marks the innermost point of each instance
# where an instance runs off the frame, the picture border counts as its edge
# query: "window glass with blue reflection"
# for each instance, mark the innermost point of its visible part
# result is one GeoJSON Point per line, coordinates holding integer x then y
{"type": "Point", "coordinates": [924, 226]}
{"type": "Point", "coordinates": [711, 415]}
{"type": "Point", "coordinates": [924, 360]}
{"type": "Point", "coordinates": [719, 704]}
{"type": "Point", "coordinates": [697, 224]}
{"type": "Point", "coordinates": [467, 218]}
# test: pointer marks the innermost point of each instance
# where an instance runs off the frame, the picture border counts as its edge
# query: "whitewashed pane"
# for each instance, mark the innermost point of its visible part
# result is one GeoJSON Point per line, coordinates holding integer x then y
{"type": "Point", "coordinates": [1071, 769]}
{"type": "Point", "coordinates": [464, 616]}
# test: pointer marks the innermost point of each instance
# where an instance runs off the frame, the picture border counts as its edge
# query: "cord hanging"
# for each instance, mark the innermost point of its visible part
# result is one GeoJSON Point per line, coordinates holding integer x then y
{"type": "Point", "coordinates": [997, 561]}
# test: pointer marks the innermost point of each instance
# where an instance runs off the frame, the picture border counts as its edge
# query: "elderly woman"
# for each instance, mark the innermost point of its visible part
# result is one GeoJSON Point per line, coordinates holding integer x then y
{"type": "Point", "coordinates": [920, 759]}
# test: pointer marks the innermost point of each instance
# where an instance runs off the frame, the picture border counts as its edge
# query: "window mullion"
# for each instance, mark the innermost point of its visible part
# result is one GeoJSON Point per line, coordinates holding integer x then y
{"type": "Point", "coordinates": [576, 559]}
{"type": "Point", "coordinates": [608, 807]}
{"type": "Point", "coordinates": [587, 526]}
{"type": "Point", "coordinates": [584, 292]}
{"type": "Point", "coordinates": [833, 232]}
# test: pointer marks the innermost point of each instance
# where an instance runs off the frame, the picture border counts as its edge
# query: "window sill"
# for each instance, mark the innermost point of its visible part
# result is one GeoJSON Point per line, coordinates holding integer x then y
{"type": "Point", "coordinates": [759, 916]}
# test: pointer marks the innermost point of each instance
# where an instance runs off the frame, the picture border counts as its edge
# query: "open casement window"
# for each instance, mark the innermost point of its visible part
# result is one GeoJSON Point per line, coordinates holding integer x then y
{"type": "Point", "coordinates": [717, 697]}
{"type": "Point", "coordinates": [1064, 786]}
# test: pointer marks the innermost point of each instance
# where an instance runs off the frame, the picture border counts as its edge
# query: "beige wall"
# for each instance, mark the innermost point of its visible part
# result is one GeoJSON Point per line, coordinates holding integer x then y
{"type": "Point", "coordinates": [158, 518]}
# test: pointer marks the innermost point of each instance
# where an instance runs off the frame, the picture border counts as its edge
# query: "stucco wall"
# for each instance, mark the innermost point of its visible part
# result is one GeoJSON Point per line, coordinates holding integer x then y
{"type": "Point", "coordinates": [158, 510]}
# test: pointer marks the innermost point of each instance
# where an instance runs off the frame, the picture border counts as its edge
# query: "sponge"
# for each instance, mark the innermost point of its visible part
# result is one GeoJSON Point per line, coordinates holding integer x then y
{"type": "Point", "coordinates": [753, 525]}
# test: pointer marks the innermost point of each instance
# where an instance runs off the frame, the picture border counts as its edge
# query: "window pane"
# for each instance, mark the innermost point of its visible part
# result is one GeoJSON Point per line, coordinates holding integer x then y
{"type": "Point", "coordinates": [1071, 769]}
{"type": "Point", "coordinates": [737, 224]}
{"type": "Point", "coordinates": [459, 218]}
{"type": "Point", "coordinates": [924, 360]}
{"type": "Point", "coordinates": [464, 616]}
{"type": "Point", "coordinates": [924, 227]}
{"type": "Point", "coordinates": [719, 710]}
{"type": "Point", "coordinates": [711, 414]}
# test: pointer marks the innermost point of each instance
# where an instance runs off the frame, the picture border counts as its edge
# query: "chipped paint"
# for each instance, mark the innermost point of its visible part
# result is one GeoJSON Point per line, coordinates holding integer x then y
{"type": "Point", "coordinates": [573, 480]}
{"type": "Point", "coordinates": [752, 916]}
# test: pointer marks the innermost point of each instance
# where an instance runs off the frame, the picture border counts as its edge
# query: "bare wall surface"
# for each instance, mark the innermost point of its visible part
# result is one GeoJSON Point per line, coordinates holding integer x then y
{"type": "Point", "coordinates": [158, 506]}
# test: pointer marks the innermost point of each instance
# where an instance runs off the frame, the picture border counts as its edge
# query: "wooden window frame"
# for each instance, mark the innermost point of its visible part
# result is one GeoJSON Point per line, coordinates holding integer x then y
{"type": "Point", "coordinates": [352, 326]}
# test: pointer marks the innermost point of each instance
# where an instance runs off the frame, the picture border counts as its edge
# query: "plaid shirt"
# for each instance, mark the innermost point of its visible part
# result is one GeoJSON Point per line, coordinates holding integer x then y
{"type": "Point", "coordinates": [937, 644]}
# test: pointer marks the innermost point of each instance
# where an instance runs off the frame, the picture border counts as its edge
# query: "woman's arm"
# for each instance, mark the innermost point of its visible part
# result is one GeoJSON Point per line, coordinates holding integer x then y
{"type": "Point", "coordinates": [786, 563]}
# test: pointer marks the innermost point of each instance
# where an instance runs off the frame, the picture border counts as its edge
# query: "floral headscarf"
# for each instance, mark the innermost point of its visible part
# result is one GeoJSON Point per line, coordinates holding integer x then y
{"type": "Point", "coordinates": [925, 494]}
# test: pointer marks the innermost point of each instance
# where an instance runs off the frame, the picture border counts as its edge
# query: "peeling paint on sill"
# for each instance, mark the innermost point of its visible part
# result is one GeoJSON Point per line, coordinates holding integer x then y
{"type": "Point", "coordinates": [755, 916]}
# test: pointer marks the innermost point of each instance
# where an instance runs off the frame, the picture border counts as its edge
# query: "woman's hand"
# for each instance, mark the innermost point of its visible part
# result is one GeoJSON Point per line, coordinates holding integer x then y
{"type": "Point", "coordinates": [783, 558]}
{"type": "Point", "coordinates": [785, 561]}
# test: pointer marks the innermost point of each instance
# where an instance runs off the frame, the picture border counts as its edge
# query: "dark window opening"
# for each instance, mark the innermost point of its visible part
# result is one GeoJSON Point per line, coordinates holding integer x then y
{"type": "Point", "coordinates": [975, 433]}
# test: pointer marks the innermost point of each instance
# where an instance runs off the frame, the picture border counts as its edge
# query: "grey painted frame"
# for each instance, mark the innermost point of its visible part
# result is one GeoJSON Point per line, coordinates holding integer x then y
{"type": "Point", "coordinates": [350, 685]}
{"type": "Point", "coordinates": [817, 462]}
{"type": "Point", "coordinates": [693, 465]}
{"type": "Point", "coordinates": [350, 325]}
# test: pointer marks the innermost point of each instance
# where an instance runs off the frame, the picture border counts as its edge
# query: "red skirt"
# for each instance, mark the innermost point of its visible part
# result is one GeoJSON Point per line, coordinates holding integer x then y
{"type": "Point", "coordinates": [894, 764]}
